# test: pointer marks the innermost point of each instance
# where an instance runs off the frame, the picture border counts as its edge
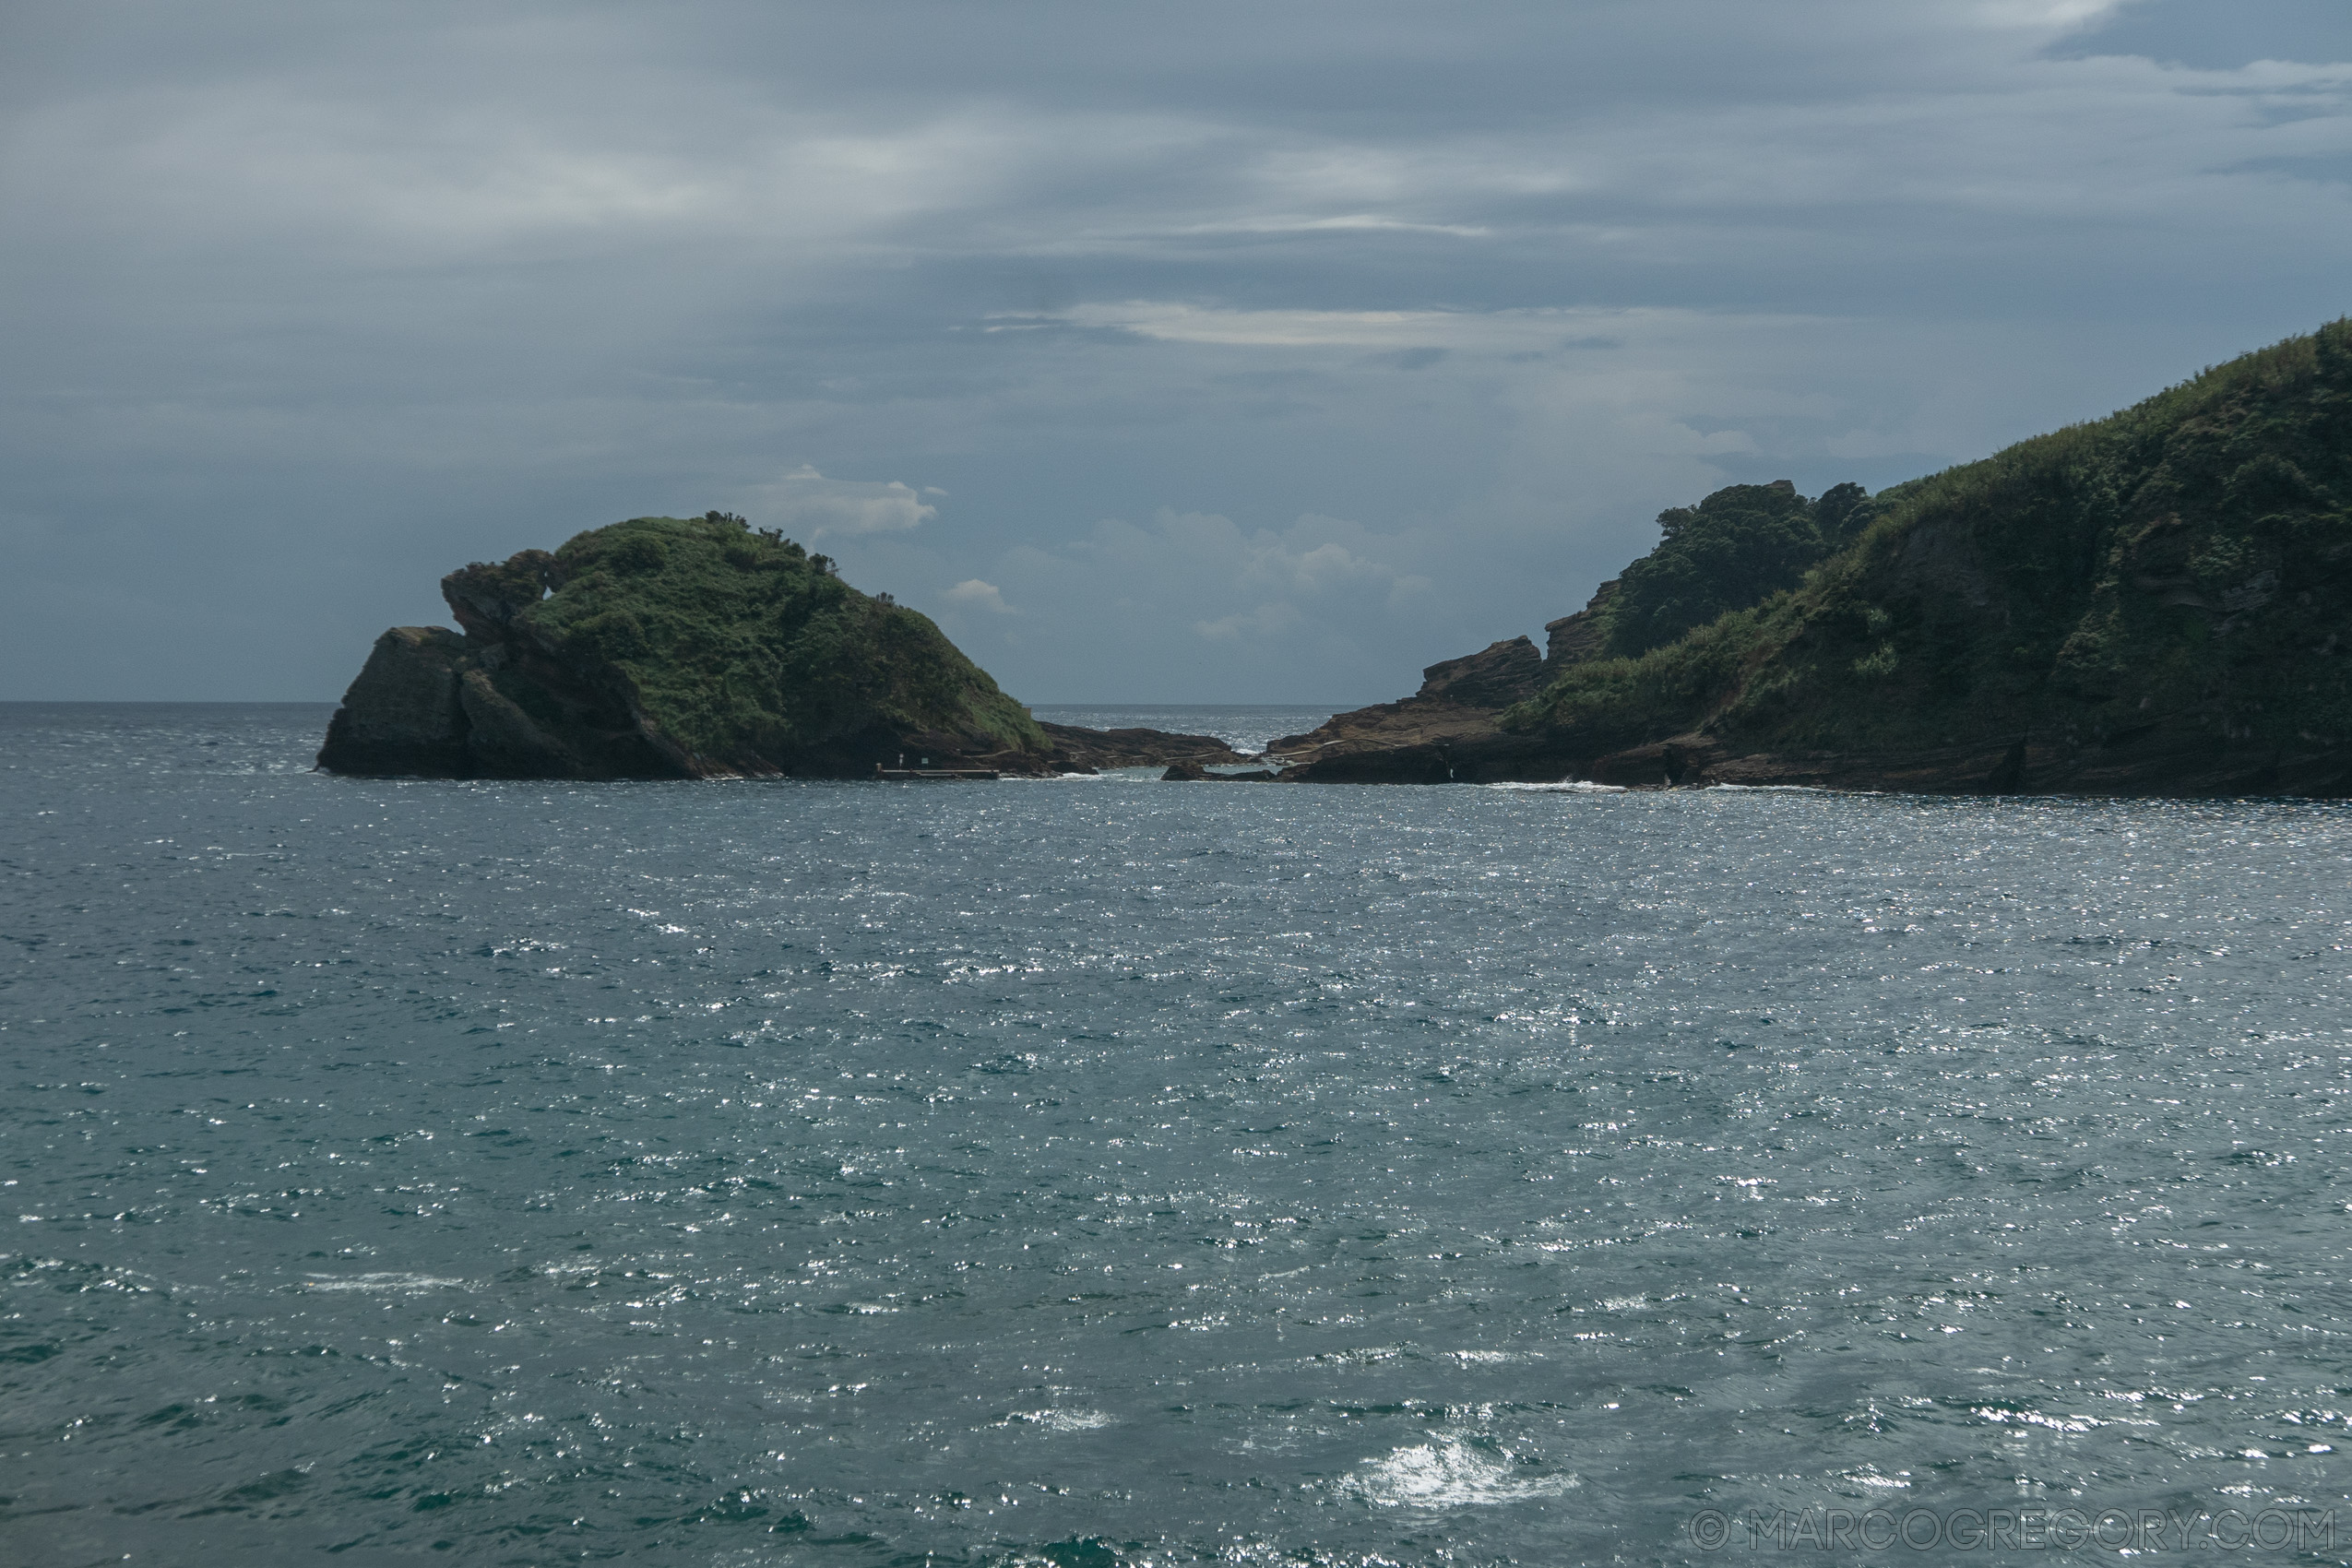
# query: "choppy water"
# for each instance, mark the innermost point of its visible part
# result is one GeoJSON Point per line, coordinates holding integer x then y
{"type": "Point", "coordinates": [1096, 1173]}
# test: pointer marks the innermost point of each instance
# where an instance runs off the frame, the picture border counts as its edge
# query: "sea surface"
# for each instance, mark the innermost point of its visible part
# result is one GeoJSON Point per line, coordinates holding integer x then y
{"type": "Point", "coordinates": [1101, 1173]}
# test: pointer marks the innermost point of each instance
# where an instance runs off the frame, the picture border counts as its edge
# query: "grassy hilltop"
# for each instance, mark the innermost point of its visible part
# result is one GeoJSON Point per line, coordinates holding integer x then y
{"type": "Point", "coordinates": [742, 644]}
{"type": "Point", "coordinates": [2153, 601]}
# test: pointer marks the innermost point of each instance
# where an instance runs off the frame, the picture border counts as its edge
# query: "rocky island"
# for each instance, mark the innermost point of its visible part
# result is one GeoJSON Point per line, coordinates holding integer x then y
{"type": "Point", "coordinates": [2159, 603]}
{"type": "Point", "coordinates": [694, 648]}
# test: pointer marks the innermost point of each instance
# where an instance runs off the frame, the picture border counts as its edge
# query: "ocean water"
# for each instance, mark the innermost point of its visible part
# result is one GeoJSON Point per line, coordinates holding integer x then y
{"type": "Point", "coordinates": [1099, 1173]}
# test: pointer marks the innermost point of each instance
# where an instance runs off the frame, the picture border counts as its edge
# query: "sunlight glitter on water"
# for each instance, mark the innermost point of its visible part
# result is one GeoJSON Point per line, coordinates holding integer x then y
{"type": "Point", "coordinates": [836, 1174]}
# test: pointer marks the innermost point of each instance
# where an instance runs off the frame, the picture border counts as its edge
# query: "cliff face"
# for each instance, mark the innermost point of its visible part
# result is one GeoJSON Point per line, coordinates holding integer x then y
{"type": "Point", "coordinates": [672, 647]}
{"type": "Point", "coordinates": [1572, 639]}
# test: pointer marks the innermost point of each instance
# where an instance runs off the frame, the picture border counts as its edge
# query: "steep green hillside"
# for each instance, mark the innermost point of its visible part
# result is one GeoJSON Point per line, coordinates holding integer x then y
{"type": "Point", "coordinates": [2168, 584]}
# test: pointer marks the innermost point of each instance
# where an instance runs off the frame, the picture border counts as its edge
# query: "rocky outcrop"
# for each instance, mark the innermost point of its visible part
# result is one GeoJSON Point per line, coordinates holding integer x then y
{"type": "Point", "coordinates": [1573, 638]}
{"type": "Point", "coordinates": [1194, 773]}
{"type": "Point", "coordinates": [1451, 727]}
{"type": "Point", "coordinates": [1080, 750]}
{"type": "Point", "coordinates": [1496, 676]}
{"type": "Point", "coordinates": [1458, 701]}
{"type": "Point", "coordinates": [404, 713]}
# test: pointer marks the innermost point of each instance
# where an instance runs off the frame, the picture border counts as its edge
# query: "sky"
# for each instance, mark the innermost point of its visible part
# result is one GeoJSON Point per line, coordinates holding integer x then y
{"type": "Point", "coordinates": [1210, 352]}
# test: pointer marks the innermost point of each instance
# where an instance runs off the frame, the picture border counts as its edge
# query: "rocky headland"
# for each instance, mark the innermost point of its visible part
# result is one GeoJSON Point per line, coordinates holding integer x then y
{"type": "Point", "coordinates": [1459, 698]}
{"type": "Point", "coordinates": [1459, 707]}
{"type": "Point", "coordinates": [694, 648]}
{"type": "Point", "coordinates": [2155, 603]}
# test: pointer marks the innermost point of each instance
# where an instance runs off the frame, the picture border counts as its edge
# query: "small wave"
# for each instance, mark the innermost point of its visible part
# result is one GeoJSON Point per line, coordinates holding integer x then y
{"type": "Point", "coordinates": [1451, 1473]}
{"type": "Point", "coordinates": [2037, 1419]}
{"type": "Point", "coordinates": [1776, 789]}
{"type": "Point", "coordinates": [1565, 787]}
{"type": "Point", "coordinates": [1877, 1482]}
{"type": "Point", "coordinates": [1060, 1421]}
{"type": "Point", "coordinates": [381, 1282]}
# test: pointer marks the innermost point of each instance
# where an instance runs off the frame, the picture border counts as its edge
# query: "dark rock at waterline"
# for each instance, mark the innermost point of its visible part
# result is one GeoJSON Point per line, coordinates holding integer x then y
{"type": "Point", "coordinates": [1080, 750]}
{"type": "Point", "coordinates": [1194, 773]}
{"type": "Point", "coordinates": [2151, 764]}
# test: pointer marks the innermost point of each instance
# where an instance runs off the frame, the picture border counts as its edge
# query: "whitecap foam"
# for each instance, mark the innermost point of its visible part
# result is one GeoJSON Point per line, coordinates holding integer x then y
{"type": "Point", "coordinates": [1451, 1473]}
{"type": "Point", "coordinates": [1060, 1421]}
{"type": "Point", "coordinates": [2037, 1419]}
{"type": "Point", "coordinates": [381, 1282]}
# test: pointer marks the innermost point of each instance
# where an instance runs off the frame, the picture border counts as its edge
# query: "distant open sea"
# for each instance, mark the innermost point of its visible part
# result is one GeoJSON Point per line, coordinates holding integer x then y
{"type": "Point", "coordinates": [1100, 1173]}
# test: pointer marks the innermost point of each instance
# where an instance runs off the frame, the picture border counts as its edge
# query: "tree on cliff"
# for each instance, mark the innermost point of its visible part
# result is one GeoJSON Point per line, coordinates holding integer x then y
{"type": "Point", "coordinates": [1740, 545]}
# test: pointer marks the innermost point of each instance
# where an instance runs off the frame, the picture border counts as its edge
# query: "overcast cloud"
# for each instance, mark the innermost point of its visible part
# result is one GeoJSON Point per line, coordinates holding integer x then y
{"type": "Point", "coordinates": [1164, 352]}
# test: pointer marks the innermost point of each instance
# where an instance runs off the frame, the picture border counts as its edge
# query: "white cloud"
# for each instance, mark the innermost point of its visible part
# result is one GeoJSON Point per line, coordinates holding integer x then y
{"type": "Point", "coordinates": [1359, 221]}
{"type": "Point", "coordinates": [2051, 14]}
{"type": "Point", "coordinates": [974, 594]}
{"type": "Point", "coordinates": [807, 503]}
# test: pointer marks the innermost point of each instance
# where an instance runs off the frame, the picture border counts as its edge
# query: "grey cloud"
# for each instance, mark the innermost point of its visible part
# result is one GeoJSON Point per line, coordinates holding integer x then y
{"type": "Point", "coordinates": [308, 304]}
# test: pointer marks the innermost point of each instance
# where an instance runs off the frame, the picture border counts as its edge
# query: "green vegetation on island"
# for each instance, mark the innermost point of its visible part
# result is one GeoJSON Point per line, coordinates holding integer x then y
{"type": "Point", "coordinates": [665, 647]}
{"type": "Point", "coordinates": [1732, 549]}
{"type": "Point", "coordinates": [744, 646]}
